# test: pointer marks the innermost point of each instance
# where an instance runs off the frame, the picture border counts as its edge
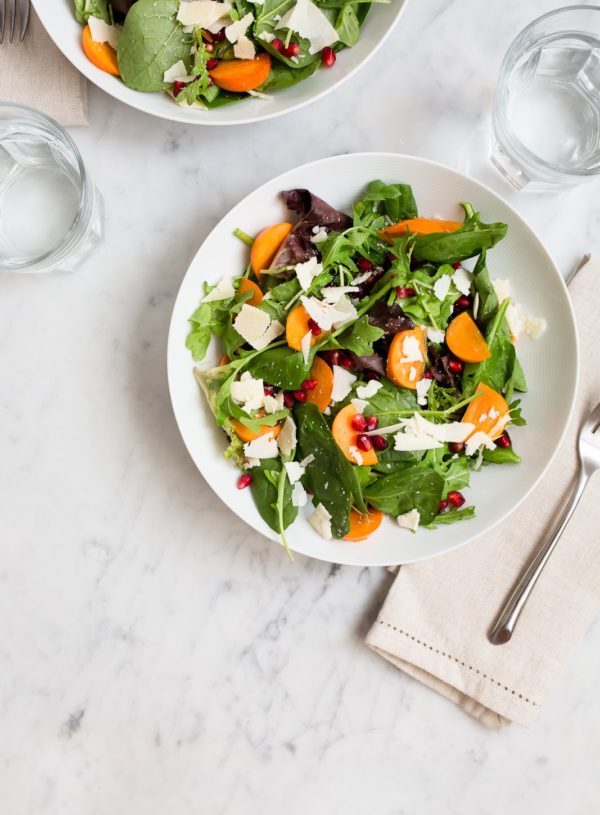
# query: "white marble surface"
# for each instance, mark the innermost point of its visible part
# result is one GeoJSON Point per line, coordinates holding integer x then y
{"type": "Point", "coordinates": [157, 656]}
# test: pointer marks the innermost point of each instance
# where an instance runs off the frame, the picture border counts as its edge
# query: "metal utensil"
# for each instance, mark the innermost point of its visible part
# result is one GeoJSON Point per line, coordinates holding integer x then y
{"type": "Point", "coordinates": [10, 10]}
{"type": "Point", "coordinates": [589, 462]}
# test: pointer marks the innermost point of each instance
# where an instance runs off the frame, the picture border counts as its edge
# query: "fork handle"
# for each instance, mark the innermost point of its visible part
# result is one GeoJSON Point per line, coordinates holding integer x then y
{"type": "Point", "coordinates": [505, 624]}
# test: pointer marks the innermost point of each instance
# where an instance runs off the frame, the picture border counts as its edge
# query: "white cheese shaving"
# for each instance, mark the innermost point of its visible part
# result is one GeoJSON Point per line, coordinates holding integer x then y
{"type": "Point", "coordinates": [222, 291]}
{"type": "Point", "coordinates": [355, 455]}
{"type": "Point", "coordinates": [248, 392]}
{"type": "Point", "coordinates": [309, 21]}
{"type": "Point", "coordinates": [271, 403]}
{"type": "Point", "coordinates": [264, 446]}
{"type": "Point", "coordinates": [299, 497]}
{"type": "Point", "coordinates": [342, 383]}
{"type": "Point", "coordinates": [306, 272]}
{"type": "Point", "coordinates": [260, 95]}
{"type": "Point", "coordinates": [244, 49]}
{"type": "Point", "coordinates": [420, 434]}
{"type": "Point", "coordinates": [359, 405]}
{"type": "Point", "coordinates": [361, 278]}
{"type": "Point", "coordinates": [177, 73]}
{"type": "Point", "coordinates": [319, 235]}
{"type": "Point", "coordinates": [332, 294]}
{"type": "Point", "coordinates": [368, 390]}
{"type": "Point", "coordinates": [435, 335]}
{"type": "Point", "coordinates": [256, 327]}
{"type": "Point", "coordinates": [423, 386]}
{"type": "Point", "coordinates": [266, 36]}
{"type": "Point", "coordinates": [410, 520]}
{"type": "Point", "coordinates": [320, 520]}
{"type": "Point", "coordinates": [406, 442]}
{"type": "Point", "coordinates": [202, 13]}
{"type": "Point", "coordinates": [441, 287]}
{"type": "Point", "coordinates": [411, 349]}
{"type": "Point", "coordinates": [326, 315]}
{"type": "Point", "coordinates": [305, 344]}
{"type": "Point", "coordinates": [286, 440]}
{"type": "Point", "coordinates": [308, 460]}
{"type": "Point", "coordinates": [518, 322]}
{"type": "Point", "coordinates": [347, 311]}
{"type": "Point", "coordinates": [294, 471]}
{"type": "Point", "coordinates": [462, 280]}
{"type": "Point", "coordinates": [102, 32]}
{"type": "Point", "coordinates": [475, 305]}
{"type": "Point", "coordinates": [237, 29]}
{"type": "Point", "coordinates": [477, 441]}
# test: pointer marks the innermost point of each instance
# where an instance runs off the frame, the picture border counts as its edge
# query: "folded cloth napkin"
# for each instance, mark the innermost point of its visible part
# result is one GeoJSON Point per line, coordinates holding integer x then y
{"type": "Point", "coordinates": [436, 617]}
{"type": "Point", "coordinates": [35, 73]}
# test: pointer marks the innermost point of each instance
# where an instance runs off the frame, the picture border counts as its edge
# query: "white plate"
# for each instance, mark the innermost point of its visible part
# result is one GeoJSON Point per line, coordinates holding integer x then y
{"type": "Point", "coordinates": [58, 19]}
{"type": "Point", "coordinates": [550, 363]}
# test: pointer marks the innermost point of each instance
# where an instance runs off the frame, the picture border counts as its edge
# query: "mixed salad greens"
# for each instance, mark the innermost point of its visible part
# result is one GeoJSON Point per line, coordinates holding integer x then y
{"type": "Point", "coordinates": [208, 53]}
{"type": "Point", "coordinates": [365, 369]}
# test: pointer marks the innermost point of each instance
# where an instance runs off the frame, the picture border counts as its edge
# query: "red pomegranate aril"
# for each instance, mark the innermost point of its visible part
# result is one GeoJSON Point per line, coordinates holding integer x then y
{"type": "Point", "coordinates": [363, 443]}
{"type": "Point", "coordinates": [244, 481]}
{"type": "Point", "coordinates": [504, 440]}
{"type": "Point", "coordinates": [427, 375]}
{"type": "Point", "coordinates": [457, 265]}
{"type": "Point", "coordinates": [379, 443]}
{"type": "Point", "coordinates": [332, 357]}
{"type": "Point", "coordinates": [277, 45]}
{"type": "Point", "coordinates": [288, 400]}
{"type": "Point", "coordinates": [345, 362]}
{"type": "Point", "coordinates": [372, 422]}
{"type": "Point", "coordinates": [292, 50]}
{"type": "Point", "coordinates": [178, 87]}
{"type": "Point", "coordinates": [328, 56]}
{"type": "Point", "coordinates": [364, 264]}
{"type": "Point", "coordinates": [456, 446]}
{"type": "Point", "coordinates": [309, 385]}
{"type": "Point", "coordinates": [299, 396]}
{"type": "Point", "coordinates": [269, 390]}
{"type": "Point", "coordinates": [456, 498]}
{"type": "Point", "coordinates": [455, 366]}
{"type": "Point", "coordinates": [359, 423]}
{"type": "Point", "coordinates": [443, 505]}
{"type": "Point", "coordinates": [392, 257]}
{"type": "Point", "coordinates": [209, 47]}
{"type": "Point", "coordinates": [315, 329]}
{"type": "Point", "coordinates": [405, 291]}
{"type": "Point", "coordinates": [219, 36]}
{"type": "Point", "coordinates": [464, 301]}
{"type": "Point", "coordinates": [211, 63]}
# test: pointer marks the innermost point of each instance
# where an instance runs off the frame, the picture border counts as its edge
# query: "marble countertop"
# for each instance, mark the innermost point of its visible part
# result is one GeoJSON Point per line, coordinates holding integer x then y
{"type": "Point", "coordinates": [157, 655]}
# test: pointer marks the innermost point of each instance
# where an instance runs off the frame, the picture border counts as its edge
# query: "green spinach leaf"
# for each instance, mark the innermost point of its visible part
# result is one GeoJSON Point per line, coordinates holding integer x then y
{"type": "Point", "coordinates": [359, 337]}
{"type": "Point", "coordinates": [84, 9]}
{"type": "Point", "coordinates": [451, 247]}
{"type": "Point", "coordinates": [281, 367]}
{"type": "Point", "coordinates": [265, 486]}
{"type": "Point", "coordinates": [410, 488]}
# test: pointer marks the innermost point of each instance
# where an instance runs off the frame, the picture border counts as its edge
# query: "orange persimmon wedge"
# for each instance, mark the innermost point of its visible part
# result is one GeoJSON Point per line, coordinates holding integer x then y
{"type": "Point", "coordinates": [345, 436]}
{"type": "Point", "coordinates": [246, 434]}
{"type": "Point", "coordinates": [363, 524]}
{"type": "Point", "coordinates": [419, 226]}
{"type": "Point", "coordinates": [320, 395]}
{"type": "Point", "coordinates": [248, 285]}
{"type": "Point", "coordinates": [241, 75]}
{"type": "Point", "coordinates": [101, 54]}
{"type": "Point", "coordinates": [296, 327]}
{"type": "Point", "coordinates": [402, 373]}
{"type": "Point", "coordinates": [465, 340]}
{"type": "Point", "coordinates": [489, 412]}
{"type": "Point", "coordinates": [266, 245]}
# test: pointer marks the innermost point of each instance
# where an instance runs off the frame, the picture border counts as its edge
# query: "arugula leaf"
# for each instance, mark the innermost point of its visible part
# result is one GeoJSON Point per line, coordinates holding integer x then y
{"type": "Point", "coordinates": [359, 337]}
{"type": "Point", "coordinates": [277, 304]}
{"type": "Point", "coordinates": [395, 201]}
{"type": "Point", "coordinates": [410, 488]}
{"type": "Point", "coordinates": [281, 367]}
{"type": "Point", "coordinates": [265, 488]}
{"type": "Point", "coordinates": [452, 516]}
{"type": "Point", "coordinates": [202, 86]}
{"type": "Point", "coordinates": [501, 455]}
{"type": "Point", "coordinates": [330, 476]}
{"type": "Point", "coordinates": [84, 9]}
{"type": "Point", "coordinates": [208, 317]}
{"type": "Point", "coordinates": [454, 471]}
{"type": "Point", "coordinates": [451, 247]}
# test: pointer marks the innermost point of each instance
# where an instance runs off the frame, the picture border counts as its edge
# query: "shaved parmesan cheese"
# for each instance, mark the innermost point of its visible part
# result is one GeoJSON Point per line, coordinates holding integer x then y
{"type": "Point", "coordinates": [202, 13]}
{"type": "Point", "coordinates": [361, 278]}
{"type": "Point", "coordinates": [319, 234]}
{"type": "Point", "coordinates": [263, 447]}
{"type": "Point", "coordinates": [237, 30]}
{"type": "Point", "coordinates": [441, 287]}
{"type": "Point", "coordinates": [266, 36]}
{"type": "Point", "coordinates": [332, 294]}
{"type": "Point", "coordinates": [342, 383]}
{"type": "Point", "coordinates": [435, 335]}
{"type": "Point", "coordinates": [305, 344]}
{"type": "Point", "coordinates": [244, 49]}
{"type": "Point", "coordinates": [462, 280]}
{"type": "Point", "coordinates": [411, 349]}
{"type": "Point", "coordinates": [423, 386]}
{"type": "Point", "coordinates": [309, 22]}
{"type": "Point", "coordinates": [248, 392]}
{"type": "Point", "coordinates": [420, 434]}
{"type": "Point", "coordinates": [406, 442]}
{"type": "Point", "coordinates": [326, 315]}
{"type": "Point", "coordinates": [306, 272]}
{"type": "Point", "coordinates": [299, 497]}
{"type": "Point", "coordinates": [256, 327]}
{"type": "Point", "coordinates": [518, 322]}
{"type": "Point", "coordinates": [177, 73]}
{"type": "Point", "coordinates": [260, 95]}
{"type": "Point", "coordinates": [320, 521]}
{"type": "Point", "coordinates": [347, 311]}
{"type": "Point", "coordinates": [294, 471]}
{"type": "Point", "coordinates": [355, 454]}
{"type": "Point", "coordinates": [368, 390]}
{"type": "Point", "coordinates": [271, 404]}
{"type": "Point", "coordinates": [359, 405]}
{"type": "Point", "coordinates": [102, 32]}
{"type": "Point", "coordinates": [222, 291]}
{"type": "Point", "coordinates": [410, 520]}
{"type": "Point", "coordinates": [477, 441]}
{"type": "Point", "coordinates": [286, 440]}
{"type": "Point", "coordinates": [475, 304]}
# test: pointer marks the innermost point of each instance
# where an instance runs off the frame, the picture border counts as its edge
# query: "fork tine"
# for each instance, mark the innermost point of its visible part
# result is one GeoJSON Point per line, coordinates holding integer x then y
{"type": "Point", "coordinates": [23, 18]}
{"type": "Point", "coordinates": [2, 18]}
{"type": "Point", "coordinates": [592, 423]}
{"type": "Point", "coordinates": [12, 13]}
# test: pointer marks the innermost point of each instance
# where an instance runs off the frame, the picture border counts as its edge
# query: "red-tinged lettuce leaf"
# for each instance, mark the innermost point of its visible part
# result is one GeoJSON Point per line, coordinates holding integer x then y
{"type": "Point", "coordinates": [368, 363]}
{"type": "Point", "coordinates": [390, 319]}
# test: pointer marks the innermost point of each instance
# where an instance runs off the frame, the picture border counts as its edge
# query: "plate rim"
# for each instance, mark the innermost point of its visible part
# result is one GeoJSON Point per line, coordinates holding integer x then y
{"type": "Point", "coordinates": [172, 350]}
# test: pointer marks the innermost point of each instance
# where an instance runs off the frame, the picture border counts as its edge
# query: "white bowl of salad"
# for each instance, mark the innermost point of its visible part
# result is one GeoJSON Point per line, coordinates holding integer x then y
{"type": "Point", "coordinates": [218, 62]}
{"type": "Point", "coordinates": [372, 359]}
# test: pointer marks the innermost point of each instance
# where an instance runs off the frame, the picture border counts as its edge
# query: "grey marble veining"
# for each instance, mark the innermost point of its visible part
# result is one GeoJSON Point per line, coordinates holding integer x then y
{"type": "Point", "coordinates": [157, 656]}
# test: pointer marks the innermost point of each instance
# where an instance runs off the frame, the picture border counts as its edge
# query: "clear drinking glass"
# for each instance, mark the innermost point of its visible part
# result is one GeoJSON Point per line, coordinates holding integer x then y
{"type": "Point", "coordinates": [546, 113]}
{"type": "Point", "coordinates": [50, 212]}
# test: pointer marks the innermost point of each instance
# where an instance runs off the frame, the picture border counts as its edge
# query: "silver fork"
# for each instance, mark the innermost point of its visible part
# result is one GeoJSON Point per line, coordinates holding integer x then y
{"type": "Point", "coordinates": [10, 10]}
{"type": "Point", "coordinates": [589, 462]}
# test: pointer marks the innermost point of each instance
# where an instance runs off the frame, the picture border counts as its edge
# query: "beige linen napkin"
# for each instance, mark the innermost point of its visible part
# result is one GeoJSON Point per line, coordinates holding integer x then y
{"type": "Point", "coordinates": [435, 619]}
{"type": "Point", "coordinates": [34, 72]}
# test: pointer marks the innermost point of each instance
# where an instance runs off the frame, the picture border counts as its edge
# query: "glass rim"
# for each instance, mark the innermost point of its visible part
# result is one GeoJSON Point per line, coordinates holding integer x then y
{"type": "Point", "coordinates": [524, 152]}
{"type": "Point", "coordinates": [62, 248]}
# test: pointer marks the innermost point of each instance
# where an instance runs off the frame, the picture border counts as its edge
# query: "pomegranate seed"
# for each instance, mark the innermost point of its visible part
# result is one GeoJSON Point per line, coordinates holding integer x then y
{"type": "Point", "coordinates": [379, 443]}
{"type": "Point", "coordinates": [328, 56]}
{"type": "Point", "coordinates": [363, 443]}
{"type": "Point", "coordinates": [299, 396]}
{"type": "Point", "coordinates": [464, 301]}
{"type": "Point", "coordinates": [456, 498]}
{"type": "Point", "coordinates": [456, 265]}
{"type": "Point", "coordinates": [209, 47]}
{"type": "Point", "coordinates": [405, 291]}
{"type": "Point", "coordinates": [364, 264]}
{"type": "Point", "coordinates": [359, 423]}
{"type": "Point", "coordinates": [292, 50]}
{"type": "Point", "coordinates": [372, 422]}
{"type": "Point", "coordinates": [369, 375]}
{"type": "Point", "coordinates": [315, 329]}
{"type": "Point", "coordinates": [219, 36]}
{"type": "Point", "coordinates": [455, 365]}
{"type": "Point", "coordinates": [332, 357]}
{"type": "Point", "coordinates": [442, 505]}
{"type": "Point", "coordinates": [178, 87]}
{"type": "Point", "coordinates": [427, 375]}
{"type": "Point", "coordinates": [288, 400]}
{"type": "Point", "coordinates": [277, 44]}
{"type": "Point", "coordinates": [244, 481]}
{"type": "Point", "coordinates": [211, 63]}
{"type": "Point", "coordinates": [456, 446]}
{"type": "Point", "coordinates": [504, 440]}
{"type": "Point", "coordinates": [392, 257]}
{"type": "Point", "coordinates": [345, 362]}
{"type": "Point", "coordinates": [269, 390]}
{"type": "Point", "coordinates": [309, 384]}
